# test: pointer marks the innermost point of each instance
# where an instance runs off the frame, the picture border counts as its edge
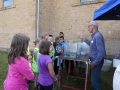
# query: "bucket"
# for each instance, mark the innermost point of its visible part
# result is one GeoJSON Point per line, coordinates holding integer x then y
{"type": "Point", "coordinates": [116, 62]}
{"type": "Point", "coordinates": [116, 79]}
{"type": "Point", "coordinates": [106, 65]}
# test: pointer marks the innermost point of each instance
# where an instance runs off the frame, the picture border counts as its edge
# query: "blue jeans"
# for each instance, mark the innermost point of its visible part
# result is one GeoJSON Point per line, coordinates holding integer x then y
{"type": "Point", "coordinates": [95, 75]}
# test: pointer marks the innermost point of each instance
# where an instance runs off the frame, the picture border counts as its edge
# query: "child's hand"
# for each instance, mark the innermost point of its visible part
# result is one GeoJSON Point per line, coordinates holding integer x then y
{"type": "Point", "coordinates": [30, 65]}
{"type": "Point", "coordinates": [56, 57]}
{"type": "Point", "coordinates": [29, 57]}
{"type": "Point", "coordinates": [24, 77]}
{"type": "Point", "coordinates": [28, 53]}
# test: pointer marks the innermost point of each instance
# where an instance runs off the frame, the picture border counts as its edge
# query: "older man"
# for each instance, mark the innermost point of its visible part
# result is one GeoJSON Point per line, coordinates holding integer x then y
{"type": "Point", "coordinates": [97, 53]}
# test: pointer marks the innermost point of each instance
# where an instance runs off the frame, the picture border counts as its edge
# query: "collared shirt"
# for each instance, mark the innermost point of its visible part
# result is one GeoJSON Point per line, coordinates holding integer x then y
{"type": "Point", "coordinates": [97, 47]}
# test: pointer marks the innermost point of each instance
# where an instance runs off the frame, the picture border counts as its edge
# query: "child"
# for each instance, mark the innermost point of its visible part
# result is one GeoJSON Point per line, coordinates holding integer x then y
{"type": "Point", "coordinates": [46, 75]}
{"type": "Point", "coordinates": [19, 67]}
{"type": "Point", "coordinates": [58, 52]}
{"type": "Point", "coordinates": [36, 55]}
{"type": "Point", "coordinates": [61, 34]}
{"type": "Point", "coordinates": [53, 50]}
{"type": "Point", "coordinates": [62, 41]}
{"type": "Point", "coordinates": [45, 36]}
{"type": "Point", "coordinates": [50, 38]}
{"type": "Point", "coordinates": [63, 46]}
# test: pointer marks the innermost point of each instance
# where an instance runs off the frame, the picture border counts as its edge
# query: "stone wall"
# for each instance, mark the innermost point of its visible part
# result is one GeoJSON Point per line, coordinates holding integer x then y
{"type": "Point", "coordinates": [68, 16]}
{"type": "Point", "coordinates": [19, 18]}
{"type": "Point", "coordinates": [72, 18]}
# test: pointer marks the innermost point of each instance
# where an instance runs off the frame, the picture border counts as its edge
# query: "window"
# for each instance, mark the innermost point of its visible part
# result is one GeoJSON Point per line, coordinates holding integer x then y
{"type": "Point", "coordinates": [82, 1]}
{"type": "Point", "coordinates": [86, 2]}
{"type": "Point", "coordinates": [7, 3]}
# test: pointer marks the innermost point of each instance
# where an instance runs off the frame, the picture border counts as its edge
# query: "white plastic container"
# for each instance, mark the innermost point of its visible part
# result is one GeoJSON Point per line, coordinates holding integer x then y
{"type": "Point", "coordinates": [116, 62]}
{"type": "Point", "coordinates": [83, 48]}
{"type": "Point", "coordinates": [106, 65]}
{"type": "Point", "coordinates": [116, 79]}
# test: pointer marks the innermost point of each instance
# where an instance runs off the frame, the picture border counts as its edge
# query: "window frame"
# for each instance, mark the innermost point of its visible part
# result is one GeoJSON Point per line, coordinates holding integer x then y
{"type": "Point", "coordinates": [7, 3]}
{"type": "Point", "coordinates": [8, 7]}
{"type": "Point", "coordinates": [85, 1]}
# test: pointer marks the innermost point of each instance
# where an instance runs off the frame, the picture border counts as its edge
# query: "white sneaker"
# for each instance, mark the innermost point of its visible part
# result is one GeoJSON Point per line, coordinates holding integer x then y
{"type": "Point", "coordinates": [56, 77]}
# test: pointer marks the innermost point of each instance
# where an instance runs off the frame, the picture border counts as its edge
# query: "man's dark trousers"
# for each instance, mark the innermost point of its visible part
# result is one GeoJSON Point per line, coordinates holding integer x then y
{"type": "Point", "coordinates": [95, 75]}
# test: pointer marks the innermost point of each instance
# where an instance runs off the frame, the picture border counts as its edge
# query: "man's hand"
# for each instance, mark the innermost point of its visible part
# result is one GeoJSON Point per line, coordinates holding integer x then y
{"type": "Point", "coordinates": [81, 37]}
{"type": "Point", "coordinates": [92, 65]}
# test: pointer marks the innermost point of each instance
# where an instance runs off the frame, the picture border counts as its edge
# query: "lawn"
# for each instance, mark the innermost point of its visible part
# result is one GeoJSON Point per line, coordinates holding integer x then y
{"type": "Point", "coordinates": [3, 68]}
{"type": "Point", "coordinates": [107, 77]}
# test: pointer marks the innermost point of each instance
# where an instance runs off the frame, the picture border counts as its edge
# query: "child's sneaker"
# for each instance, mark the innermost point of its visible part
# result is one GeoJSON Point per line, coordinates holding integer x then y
{"type": "Point", "coordinates": [56, 77]}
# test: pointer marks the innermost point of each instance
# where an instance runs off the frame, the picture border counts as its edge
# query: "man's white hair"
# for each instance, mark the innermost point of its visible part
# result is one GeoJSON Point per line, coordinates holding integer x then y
{"type": "Point", "coordinates": [94, 23]}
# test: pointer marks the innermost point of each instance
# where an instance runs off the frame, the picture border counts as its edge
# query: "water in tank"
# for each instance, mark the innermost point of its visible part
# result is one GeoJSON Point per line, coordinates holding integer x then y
{"type": "Point", "coordinates": [70, 49]}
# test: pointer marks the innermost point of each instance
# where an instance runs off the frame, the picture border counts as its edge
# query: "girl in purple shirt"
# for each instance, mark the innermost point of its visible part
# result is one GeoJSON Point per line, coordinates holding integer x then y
{"type": "Point", "coordinates": [19, 67]}
{"type": "Point", "coordinates": [46, 75]}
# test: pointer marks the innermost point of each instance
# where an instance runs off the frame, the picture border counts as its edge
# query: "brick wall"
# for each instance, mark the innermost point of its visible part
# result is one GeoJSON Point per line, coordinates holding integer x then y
{"type": "Point", "coordinates": [18, 19]}
{"type": "Point", "coordinates": [55, 16]}
{"type": "Point", "coordinates": [73, 19]}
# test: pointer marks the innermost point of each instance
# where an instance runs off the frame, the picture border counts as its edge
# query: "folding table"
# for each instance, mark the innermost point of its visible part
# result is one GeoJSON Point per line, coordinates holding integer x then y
{"type": "Point", "coordinates": [83, 58]}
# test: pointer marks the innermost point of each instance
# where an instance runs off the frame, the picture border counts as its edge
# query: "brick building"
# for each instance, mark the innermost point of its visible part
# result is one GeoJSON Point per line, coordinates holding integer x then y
{"type": "Point", "coordinates": [69, 16]}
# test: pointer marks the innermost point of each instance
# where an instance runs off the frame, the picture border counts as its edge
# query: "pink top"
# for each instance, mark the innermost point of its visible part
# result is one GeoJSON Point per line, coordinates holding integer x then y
{"type": "Point", "coordinates": [18, 74]}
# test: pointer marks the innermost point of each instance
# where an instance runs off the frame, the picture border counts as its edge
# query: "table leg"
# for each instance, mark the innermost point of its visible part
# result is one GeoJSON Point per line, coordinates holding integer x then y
{"type": "Point", "coordinates": [61, 83]}
{"type": "Point", "coordinates": [69, 67]}
{"type": "Point", "coordinates": [56, 85]}
{"type": "Point", "coordinates": [59, 75]}
{"type": "Point", "coordinates": [86, 76]}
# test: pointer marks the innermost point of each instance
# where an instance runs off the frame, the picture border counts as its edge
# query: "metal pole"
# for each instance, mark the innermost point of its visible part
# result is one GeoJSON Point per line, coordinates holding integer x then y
{"type": "Point", "coordinates": [38, 19]}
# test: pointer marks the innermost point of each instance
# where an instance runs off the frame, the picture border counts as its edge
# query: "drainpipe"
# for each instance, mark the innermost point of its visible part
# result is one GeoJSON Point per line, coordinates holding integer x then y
{"type": "Point", "coordinates": [38, 19]}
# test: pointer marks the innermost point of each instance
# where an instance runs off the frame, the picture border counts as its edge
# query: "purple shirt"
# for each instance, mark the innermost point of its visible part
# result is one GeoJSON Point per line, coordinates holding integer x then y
{"type": "Point", "coordinates": [44, 77]}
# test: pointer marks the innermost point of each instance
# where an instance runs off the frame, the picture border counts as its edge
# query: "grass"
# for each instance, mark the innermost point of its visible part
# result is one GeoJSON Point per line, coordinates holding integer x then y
{"type": "Point", "coordinates": [106, 77]}
{"type": "Point", "coordinates": [3, 68]}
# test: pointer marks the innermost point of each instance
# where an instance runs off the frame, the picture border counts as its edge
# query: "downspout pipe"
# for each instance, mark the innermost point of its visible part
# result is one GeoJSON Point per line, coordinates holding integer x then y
{"type": "Point", "coordinates": [38, 19]}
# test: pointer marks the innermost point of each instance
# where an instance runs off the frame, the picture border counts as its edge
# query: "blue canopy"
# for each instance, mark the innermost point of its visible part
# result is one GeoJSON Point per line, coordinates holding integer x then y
{"type": "Point", "coordinates": [110, 10]}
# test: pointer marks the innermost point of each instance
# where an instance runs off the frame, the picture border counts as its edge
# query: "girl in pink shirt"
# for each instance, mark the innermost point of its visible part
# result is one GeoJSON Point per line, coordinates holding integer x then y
{"type": "Point", "coordinates": [19, 67]}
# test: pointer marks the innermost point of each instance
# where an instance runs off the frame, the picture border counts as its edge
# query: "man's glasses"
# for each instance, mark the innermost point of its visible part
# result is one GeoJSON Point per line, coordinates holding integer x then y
{"type": "Point", "coordinates": [89, 26]}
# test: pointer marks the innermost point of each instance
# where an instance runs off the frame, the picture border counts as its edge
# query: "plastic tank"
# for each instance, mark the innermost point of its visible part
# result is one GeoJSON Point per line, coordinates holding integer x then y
{"type": "Point", "coordinates": [70, 49]}
{"type": "Point", "coordinates": [73, 48]}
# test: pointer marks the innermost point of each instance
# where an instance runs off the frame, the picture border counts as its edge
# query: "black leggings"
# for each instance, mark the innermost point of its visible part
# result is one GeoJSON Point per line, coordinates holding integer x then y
{"type": "Point", "coordinates": [67, 65]}
{"type": "Point", "coordinates": [56, 67]}
{"type": "Point", "coordinates": [50, 87]}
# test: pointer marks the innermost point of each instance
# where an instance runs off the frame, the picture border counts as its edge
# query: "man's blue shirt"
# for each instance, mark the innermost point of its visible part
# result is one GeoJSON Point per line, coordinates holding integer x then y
{"type": "Point", "coordinates": [97, 47]}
